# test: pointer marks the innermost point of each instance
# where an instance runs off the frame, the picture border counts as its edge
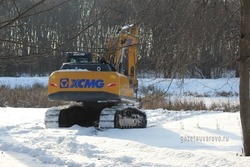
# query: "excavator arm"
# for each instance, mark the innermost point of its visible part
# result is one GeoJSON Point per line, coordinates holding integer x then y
{"type": "Point", "coordinates": [123, 54]}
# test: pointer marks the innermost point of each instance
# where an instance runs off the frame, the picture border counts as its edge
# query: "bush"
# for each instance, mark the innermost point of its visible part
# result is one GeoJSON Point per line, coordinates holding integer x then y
{"type": "Point", "coordinates": [154, 98]}
{"type": "Point", "coordinates": [225, 107]}
{"type": "Point", "coordinates": [35, 96]}
{"type": "Point", "coordinates": [158, 101]}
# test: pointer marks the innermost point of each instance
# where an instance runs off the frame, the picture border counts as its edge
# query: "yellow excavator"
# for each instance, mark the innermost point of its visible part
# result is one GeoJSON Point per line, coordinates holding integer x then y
{"type": "Point", "coordinates": [105, 86]}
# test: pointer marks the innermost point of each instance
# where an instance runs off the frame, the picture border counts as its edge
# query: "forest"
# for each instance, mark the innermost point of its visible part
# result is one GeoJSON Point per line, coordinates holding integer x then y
{"type": "Point", "coordinates": [185, 38]}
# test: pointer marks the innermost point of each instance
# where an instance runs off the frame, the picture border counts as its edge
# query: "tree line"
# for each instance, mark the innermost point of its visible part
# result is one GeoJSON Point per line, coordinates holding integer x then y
{"type": "Point", "coordinates": [186, 38]}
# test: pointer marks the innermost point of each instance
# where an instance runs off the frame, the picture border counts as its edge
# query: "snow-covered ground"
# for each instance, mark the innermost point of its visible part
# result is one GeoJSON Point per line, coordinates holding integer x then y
{"type": "Point", "coordinates": [173, 138]}
{"type": "Point", "coordinates": [207, 87]}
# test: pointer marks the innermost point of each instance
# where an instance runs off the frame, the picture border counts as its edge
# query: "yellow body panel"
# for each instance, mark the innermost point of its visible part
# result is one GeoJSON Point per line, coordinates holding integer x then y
{"type": "Point", "coordinates": [120, 82]}
{"type": "Point", "coordinates": [78, 81]}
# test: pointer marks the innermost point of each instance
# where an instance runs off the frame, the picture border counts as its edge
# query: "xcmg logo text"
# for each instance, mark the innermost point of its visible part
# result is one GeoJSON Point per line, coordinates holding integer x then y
{"type": "Point", "coordinates": [81, 83]}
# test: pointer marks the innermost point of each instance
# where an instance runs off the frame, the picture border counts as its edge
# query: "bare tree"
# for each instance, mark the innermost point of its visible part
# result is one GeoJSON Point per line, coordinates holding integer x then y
{"type": "Point", "coordinates": [19, 33]}
{"type": "Point", "coordinates": [244, 74]}
{"type": "Point", "coordinates": [35, 33]}
{"type": "Point", "coordinates": [177, 38]}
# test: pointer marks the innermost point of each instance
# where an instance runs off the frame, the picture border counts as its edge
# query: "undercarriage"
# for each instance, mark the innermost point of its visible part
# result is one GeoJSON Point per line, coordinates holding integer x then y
{"type": "Point", "coordinates": [102, 116]}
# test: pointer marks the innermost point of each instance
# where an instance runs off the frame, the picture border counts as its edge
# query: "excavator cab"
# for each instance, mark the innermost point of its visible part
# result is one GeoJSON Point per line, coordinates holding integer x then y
{"type": "Point", "coordinates": [86, 61]}
{"type": "Point", "coordinates": [82, 57]}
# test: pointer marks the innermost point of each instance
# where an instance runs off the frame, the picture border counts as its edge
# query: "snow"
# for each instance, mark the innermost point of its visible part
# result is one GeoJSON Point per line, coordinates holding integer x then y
{"type": "Point", "coordinates": [127, 26]}
{"type": "Point", "coordinates": [208, 87]}
{"type": "Point", "coordinates": [13, 82]}
{"type": "Point", "coordinates": [172, 138]}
